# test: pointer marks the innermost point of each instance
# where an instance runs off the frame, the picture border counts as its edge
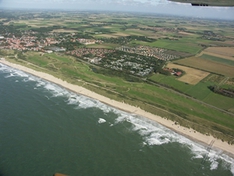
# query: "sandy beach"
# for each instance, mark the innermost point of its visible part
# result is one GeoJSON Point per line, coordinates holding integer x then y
{"type": "Point", "coordinates": [190, 133]}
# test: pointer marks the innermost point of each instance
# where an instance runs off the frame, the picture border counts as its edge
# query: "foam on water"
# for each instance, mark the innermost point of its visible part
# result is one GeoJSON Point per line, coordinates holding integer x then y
{"type": "Point", "coordinates": [213, 157]}
{"type": "Point", "coordinates": [100, 120]}
{"type": "Point", "coordinates": [40, 83]}
{"type": "Point", "coordinates": [152, 132]}
{"type": "Point", "coordinates": [12, 72]}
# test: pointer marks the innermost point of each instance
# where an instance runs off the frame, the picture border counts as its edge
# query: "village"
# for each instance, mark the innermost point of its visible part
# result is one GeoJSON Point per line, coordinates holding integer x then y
{"type": "Point", "coordinates": [158, 53]}
{"type": "Point", "coordinates": [139, 61]}
{"type": "Point", "coordinates": [26, 42]}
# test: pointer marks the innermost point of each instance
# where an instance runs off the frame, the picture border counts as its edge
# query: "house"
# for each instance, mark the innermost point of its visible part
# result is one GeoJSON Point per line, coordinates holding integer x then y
{"type": "Point", "coordinates": [178, 74]}
{"type": "Point", "coordinates": [49, 51]}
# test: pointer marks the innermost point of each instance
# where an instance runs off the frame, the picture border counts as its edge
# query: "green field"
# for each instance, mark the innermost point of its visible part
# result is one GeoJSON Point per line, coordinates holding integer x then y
{"type": "Point", "coordinates": [187, 47]}
{"type": "Point", "coordinates": [171, 81]}
{"type": "Point", "coordinates": [199, 91]}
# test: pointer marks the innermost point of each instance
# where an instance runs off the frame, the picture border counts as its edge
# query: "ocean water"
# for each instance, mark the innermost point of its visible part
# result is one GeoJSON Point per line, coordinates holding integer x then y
{"type": "Point", "coordinates": [45, 129]}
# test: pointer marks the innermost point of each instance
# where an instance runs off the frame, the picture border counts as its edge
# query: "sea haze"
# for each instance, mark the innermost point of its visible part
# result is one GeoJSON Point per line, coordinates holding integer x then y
{"type": "Point", "coordinates": [45, 128]}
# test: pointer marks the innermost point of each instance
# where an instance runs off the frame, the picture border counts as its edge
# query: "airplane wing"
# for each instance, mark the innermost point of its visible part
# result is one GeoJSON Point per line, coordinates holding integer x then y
{"type": "Point", "coordinates": [227, 3]}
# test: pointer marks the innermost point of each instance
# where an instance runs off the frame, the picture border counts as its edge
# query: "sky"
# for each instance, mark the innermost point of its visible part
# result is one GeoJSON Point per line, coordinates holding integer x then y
{"type": "Point", "coordinates": [149, 6]}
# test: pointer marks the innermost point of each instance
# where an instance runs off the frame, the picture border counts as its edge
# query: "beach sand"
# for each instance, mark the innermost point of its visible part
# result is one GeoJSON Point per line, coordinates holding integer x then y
{"type": "Point", "coordinates": [189, 133]}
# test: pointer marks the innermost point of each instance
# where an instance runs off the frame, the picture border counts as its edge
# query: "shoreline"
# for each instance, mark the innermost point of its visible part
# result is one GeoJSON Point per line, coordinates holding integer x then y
{"type": "Point", "coordinates": [189, 133]}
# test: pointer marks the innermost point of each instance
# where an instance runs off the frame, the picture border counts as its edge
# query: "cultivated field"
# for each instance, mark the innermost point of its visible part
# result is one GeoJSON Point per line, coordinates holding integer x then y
{"type": "Point", "coordinates": [217, 59]}
{"type": "Point", "coordinates": [139, 32]}
{"type": "Point", "coordinates": [223, 52]}
{"type": "Point", "coordinates": [114, 35]}
{"type": "Point", "coordinates": [192, 76]}
{"type": "Point", "coordinates": [207, 65]}
{"type": "Point", "coordinates": [186, 33]}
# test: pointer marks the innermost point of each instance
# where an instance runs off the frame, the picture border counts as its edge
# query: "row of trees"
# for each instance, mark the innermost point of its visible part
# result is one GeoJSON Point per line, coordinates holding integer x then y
{"type": "Point", "coordinates": [222, 91]}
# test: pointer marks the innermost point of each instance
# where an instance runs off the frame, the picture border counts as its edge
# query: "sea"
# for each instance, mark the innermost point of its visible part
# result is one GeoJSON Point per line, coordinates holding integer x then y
{"type": "Point", "coordinates": [46, 129]}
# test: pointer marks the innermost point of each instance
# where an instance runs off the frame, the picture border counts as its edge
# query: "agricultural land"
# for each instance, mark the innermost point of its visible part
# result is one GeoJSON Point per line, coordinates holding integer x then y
{"type": "Point", "coordinates": [179, 68]}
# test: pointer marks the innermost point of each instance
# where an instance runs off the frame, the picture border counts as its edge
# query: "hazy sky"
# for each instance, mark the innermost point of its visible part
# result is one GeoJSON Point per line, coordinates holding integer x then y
{"type": "Point", "coordinates": [152, 6]}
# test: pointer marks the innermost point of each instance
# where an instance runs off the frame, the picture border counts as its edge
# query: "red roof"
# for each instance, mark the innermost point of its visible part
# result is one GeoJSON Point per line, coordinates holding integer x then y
{"type": "Point", "coordinates": [178, 73]}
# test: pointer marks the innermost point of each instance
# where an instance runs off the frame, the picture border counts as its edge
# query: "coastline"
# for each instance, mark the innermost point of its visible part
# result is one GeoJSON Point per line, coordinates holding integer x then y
{"type": "Point", "coordinates": [189, 133]}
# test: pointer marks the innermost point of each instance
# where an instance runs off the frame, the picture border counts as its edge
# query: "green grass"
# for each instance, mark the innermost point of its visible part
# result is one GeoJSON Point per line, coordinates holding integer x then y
{"type": "Point", "coordinates": [104, 45]}
{"type": "Point", "coordinates": [199, 91]}
{"type": "Point", "coordinates": [170, 81]}
{"type": "Point", "coordinates": [202, 92]}
{"type": "Point", "coordinates": [217, 59]}
{"type": "Point", "coordinates": [220, 101]}
{"type": "Point", "coordinates": [38, 61]}
{"type": "Point", "coordinates": [175, 102]}
{"type": "Point", "coordinates": [59, 57]}
{"type": "Point", "coordinates": [20, 24]}
{"type": "Point", "coordinates": [189, 47]}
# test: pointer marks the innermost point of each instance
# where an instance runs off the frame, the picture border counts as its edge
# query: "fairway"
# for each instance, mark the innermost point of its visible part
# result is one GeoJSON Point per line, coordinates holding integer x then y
{"type": "Point", "coordinates": [192, 76]}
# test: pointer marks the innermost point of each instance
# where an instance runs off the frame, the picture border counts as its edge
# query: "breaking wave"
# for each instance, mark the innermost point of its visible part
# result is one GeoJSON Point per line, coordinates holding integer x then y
{"type": "Point", "coordinates": [152, 132]}
{"type": "Point", "coordinates": [101, 120]}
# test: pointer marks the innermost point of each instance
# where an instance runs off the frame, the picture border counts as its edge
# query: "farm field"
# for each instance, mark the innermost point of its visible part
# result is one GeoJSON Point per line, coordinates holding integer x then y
{"type": "Point", "coordinates": [225, 51]}
{"type": "Point", "coordinates": [188, 47]}
{"type": "Point", "coordinates": [113, 35]}
{"type": "Point", "coordinates": [217, 59]}
{"type": "Point", "coordinates": [207, 65]}
{"type": "Point", "coordinates": [192, 76]}
{"type": "Point", "coordinates": [170, 81]}
{"type": "Point", "coordinates": [179, 34]}
{"type": "Point", "coordinates": [64, 30]}
{"type": "Point", "coordinates": [222, 52]}
{"type": "Point", "coordinates": [200, 91]}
